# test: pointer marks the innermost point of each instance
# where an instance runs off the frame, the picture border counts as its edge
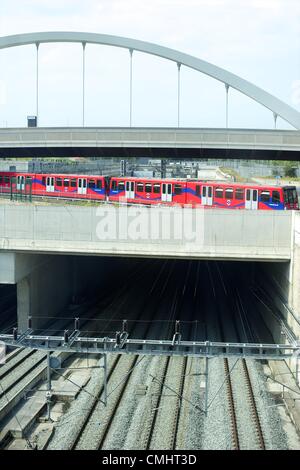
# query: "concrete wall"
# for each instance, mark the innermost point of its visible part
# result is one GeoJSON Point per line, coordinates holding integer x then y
{"type": "Point", "coordinates": [282, 281]}
{"type": "Point", "coordinates": [273, 278]}
{"type": "Point", "coordinates": [7, 268]}
{"type": "Point", "coordinates": [139, 231]}
{"type": "Point", "coordinates": [294, 298]}
{"type": "Point", "coordinates": [14, 267]}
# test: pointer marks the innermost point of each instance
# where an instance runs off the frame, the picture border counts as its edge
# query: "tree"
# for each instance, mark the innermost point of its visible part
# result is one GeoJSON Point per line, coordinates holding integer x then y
{"type": "Point", "coordinates": [290, 169]}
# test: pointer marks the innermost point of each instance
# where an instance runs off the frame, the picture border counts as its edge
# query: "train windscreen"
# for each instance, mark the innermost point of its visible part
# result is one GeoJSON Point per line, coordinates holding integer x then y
{"type": "Point", "coordinates": [291, 198]}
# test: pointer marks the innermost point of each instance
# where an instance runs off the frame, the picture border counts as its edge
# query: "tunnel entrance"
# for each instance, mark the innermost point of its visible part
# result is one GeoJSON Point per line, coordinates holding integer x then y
{"type": "Point", "coordinates": [157, 305]}
{"type": "Point", "coordinates": [202, 300]}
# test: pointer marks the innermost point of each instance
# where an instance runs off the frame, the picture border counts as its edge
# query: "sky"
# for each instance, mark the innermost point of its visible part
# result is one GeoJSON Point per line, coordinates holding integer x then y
{"type": "Point", "coordinates": [258, 40]}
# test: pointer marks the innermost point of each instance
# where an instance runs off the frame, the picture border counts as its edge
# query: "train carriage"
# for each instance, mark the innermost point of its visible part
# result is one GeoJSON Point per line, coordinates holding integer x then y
{"type": "Point", "coordinates": [5, 181]}
{"type": "Point", "coordinates": [57, 185]}
{"type": "Point", "coordinates": [70, 186]}
{"type": "Point", "coordinates": [225, 195]}
{"type": "Point", "coordinates": [147, 190]}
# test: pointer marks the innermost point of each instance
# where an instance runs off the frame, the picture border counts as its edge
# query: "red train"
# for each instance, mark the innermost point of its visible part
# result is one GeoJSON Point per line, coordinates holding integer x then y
{"type": "Point", "coordinates": [148, 191]}
{"type": "Point", "coordinates": [71, 186]}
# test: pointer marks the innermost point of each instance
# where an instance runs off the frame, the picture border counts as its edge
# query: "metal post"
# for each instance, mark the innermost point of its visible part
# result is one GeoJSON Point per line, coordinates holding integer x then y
{"type": "Point", "coordinates": [48, 393]}
{"type": "Point", "coordinates": [83, 81]}
{"type": "Point", "coordinates": [178, 95]}
{"type": "Point", "coordinates": [226, 88]}
{"type": "Point", "coordinates": [105, 379]}
{"type": "Point", "coordinates": [275, 120]}
{"type": "Point", "coordinates": [130, 97]}
{"type": "Point", "coordinates": [206, 386]}
{"type": "Point", "coordinates": [37, 83]}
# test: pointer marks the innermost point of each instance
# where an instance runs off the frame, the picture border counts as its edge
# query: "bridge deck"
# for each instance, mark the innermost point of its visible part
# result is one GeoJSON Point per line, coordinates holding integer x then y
{"type": "Point", "coordinates": [154, 142]}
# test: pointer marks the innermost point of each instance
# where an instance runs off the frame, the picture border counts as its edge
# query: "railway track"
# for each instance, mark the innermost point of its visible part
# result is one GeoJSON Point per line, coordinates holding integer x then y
{"type": "Point", "coordinates": [254, 412]}
{"type": "Point", "coordinates": [163, 421]}
{"type": "Point", "coordinates": [246, 430]}
{"type": "Point", "coordinates": [231, 407]}
{"type": "Point", "coordinates": [95, 430]}
{"type": "Point", "coordinates": [98, 420]}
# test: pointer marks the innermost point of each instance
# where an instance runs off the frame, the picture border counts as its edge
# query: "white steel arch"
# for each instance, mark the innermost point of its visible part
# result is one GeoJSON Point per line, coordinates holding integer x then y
{"type": "Point", "coordinates": [278, 107]}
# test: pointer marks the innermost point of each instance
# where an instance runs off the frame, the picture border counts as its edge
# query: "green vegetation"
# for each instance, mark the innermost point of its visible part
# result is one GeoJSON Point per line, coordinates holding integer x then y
{"type": "Point", "coordinates": [285, 168]}
{"type": "Point", "coordinates": [236, 177]}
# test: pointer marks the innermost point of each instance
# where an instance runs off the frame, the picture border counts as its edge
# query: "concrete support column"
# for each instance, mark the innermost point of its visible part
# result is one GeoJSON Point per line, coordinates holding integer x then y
{"type": "Point", "coordinates": [44, 292]}
{"type": "Point", "coordinates": [23, 303]}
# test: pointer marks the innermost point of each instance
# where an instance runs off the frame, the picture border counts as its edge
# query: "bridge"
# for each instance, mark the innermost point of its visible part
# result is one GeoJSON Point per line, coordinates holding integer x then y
{"type": "Point", "coordinates": [160, 142]}
{"type": "Point", "coordinates": [151, 142]}
{"type": "Point", "coordinates": [44, 248]}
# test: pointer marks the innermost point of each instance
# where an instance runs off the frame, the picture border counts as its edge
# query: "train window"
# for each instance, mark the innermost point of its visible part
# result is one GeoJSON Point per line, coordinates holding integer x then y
{"type": "Point", "coordinates": [0, 179]}
{"type": "Point", "coordinates": [295, 195]}
{"type": "Point", "coordinates": [148, 188]}
{"type": "Point", "coordinates": [66, 182]}
{"type": "Point", "coordinates": [239, 194]}
{"type": "Point", "coordinates": [58, 182]}
{"type": "Point", "coordinates": [114, 185]}
{"type": "Point", "coordinates": [44, 180]}
{"type": "Point", "coordinates": [73, 183]}
{"type": "Point", "coordinates": [177, 189]}
{"type": "Point", "coordinates": [265, 196]}
{"type": "Point", "coordinates": [121, 186]}
{"type": "Point", "coordinates": [99, 184]}
{"type": "Point", "coordinates": [204, 191]}
{"type": "Point", "coordinates": [209, 192]}
{"type": "Point", "coordinates": [140, 187]}
{"type": "Point", "coordinates": [6, 179]}
{"type": "Point", "coordinates": [219, 192]}
{"type": "Point", "coordinates": [290, 195]}
{"type": "Point", "coordinates": [156, 188]}
{"type": "Point", "coordinates": [276, 197]}
{"type": "Point", "coordinates": [92, 184]}
{"type": "Point", "coordinates": [198, 187]}
{"type": "Point", "coordinates": [228, 193]}
{"type": "Point", "coordinates": [28, 180]}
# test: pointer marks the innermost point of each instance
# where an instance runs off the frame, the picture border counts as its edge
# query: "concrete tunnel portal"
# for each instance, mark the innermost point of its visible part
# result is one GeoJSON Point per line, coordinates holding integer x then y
{"type": "Point", "coordinates": [203, 300]}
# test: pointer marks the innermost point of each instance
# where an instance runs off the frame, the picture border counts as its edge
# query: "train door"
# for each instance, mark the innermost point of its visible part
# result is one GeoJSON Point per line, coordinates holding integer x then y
{"type": "Point", "coordinates": [21, 182]}
{"type": "Point", "coordinates": [82, 186]}
{"type": "Point", "coordinates": [207, 193]}
{"type": "Point", "coordinates": [50, 184]}
{"type": "Point", "coordinates": [166, 193]}
{"type": "Point", "coordinates": [129, 190]}
{"type": "Point", "coordinates": [251, 202]}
